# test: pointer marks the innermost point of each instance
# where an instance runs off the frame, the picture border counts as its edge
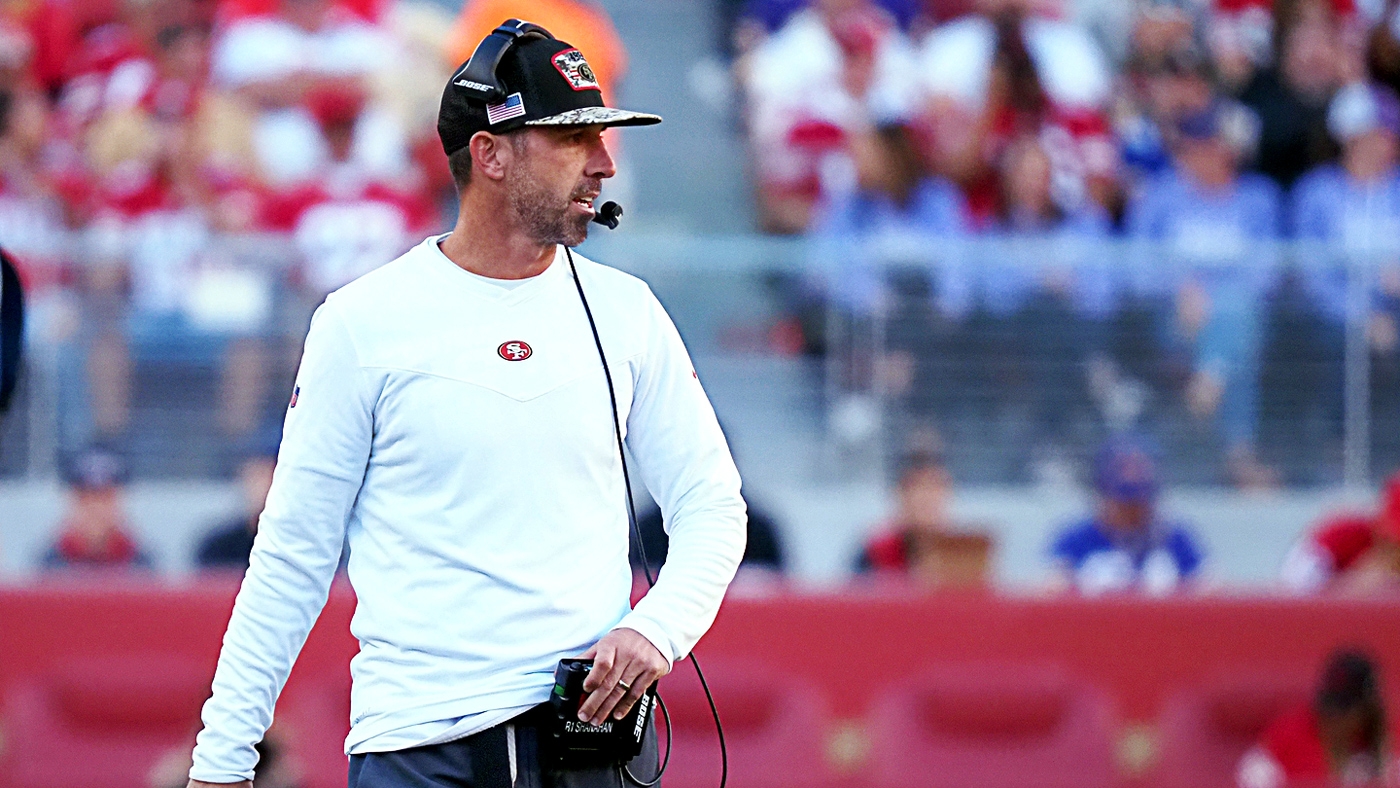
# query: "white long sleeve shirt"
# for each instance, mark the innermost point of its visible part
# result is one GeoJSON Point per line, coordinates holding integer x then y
{"type": "Point", "coordinates": [460, 435]}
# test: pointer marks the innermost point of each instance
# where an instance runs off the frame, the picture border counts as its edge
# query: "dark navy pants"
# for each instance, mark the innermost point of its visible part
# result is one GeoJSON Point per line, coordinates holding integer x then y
{"type": "Point", "coordinates": [484, 760]}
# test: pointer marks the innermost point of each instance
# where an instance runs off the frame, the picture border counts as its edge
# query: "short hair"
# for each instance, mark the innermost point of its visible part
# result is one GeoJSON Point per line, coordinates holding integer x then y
{"type": "Point", "coordinates": [460, 165]}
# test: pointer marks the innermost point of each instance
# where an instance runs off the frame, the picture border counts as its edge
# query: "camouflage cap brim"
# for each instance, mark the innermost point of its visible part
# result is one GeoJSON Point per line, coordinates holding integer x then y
{"type": "Point", "coordinates": [597, 116]}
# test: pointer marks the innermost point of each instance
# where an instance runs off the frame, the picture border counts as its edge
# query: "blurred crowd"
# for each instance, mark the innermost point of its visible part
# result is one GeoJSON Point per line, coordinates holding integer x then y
{"type": "Point", "coordinates": [1051, 117]}
{"type": "Point", "coordinates": [1195, 133]}
{"type": "Point", "coordinates": [147, 145]}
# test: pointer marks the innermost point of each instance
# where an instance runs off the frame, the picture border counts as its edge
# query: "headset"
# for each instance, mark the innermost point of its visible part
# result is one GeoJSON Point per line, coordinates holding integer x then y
{"type": "Point", "coordinates": [480, 79]}
{"type": "Point", "coordinates": [479, 75]}
{"type": "Point", "coordinates": [608, 215]}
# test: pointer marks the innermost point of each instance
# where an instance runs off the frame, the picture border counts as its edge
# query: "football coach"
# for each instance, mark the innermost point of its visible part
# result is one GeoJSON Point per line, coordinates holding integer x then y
{"type": "Point", "coordinates": [452, 419]}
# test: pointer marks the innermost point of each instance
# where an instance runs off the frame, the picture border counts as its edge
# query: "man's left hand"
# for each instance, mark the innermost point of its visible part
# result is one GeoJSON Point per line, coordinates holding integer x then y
{"type": "Point", "coordinates": [624, 665]}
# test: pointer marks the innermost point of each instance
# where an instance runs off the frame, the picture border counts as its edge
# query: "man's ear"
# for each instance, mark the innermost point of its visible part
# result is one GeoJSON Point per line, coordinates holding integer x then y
{"type": "Point", "coordinates": [491, 154]}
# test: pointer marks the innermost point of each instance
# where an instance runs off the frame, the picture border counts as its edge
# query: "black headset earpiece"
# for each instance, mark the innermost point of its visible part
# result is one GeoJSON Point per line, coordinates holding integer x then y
{"type": "Point", "coordinates": [478, 76]}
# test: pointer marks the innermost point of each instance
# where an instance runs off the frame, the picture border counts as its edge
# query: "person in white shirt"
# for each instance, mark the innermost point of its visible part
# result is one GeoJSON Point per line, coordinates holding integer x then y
{"type": "Point", "coordinates": [452, 418]}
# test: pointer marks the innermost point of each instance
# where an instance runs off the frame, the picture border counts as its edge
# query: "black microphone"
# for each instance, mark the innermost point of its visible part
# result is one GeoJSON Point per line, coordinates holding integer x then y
{"type": "Point", "coordinates": [608, 215]}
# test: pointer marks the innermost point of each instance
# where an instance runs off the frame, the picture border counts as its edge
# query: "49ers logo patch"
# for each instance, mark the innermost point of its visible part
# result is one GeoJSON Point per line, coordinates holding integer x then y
{"type": "Point", "coordinates": [514, 351]}
{"type": "Point", "coordinates": [576, 70]}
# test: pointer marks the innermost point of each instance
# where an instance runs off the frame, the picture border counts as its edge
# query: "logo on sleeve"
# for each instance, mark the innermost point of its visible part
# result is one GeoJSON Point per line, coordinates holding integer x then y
{"type": "Point", "coordinates": [296, 392]}
{"type": "Point", "coordinates": [576, 70]}
{"type": "Point", "coordinates": [514, 351]}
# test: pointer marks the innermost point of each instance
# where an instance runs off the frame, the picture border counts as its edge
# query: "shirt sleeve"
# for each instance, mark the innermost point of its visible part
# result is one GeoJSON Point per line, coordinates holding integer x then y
{"type": "Point", "coordinates": [321, 464]}
{"type": "Point", "coordinates": [685, 463]}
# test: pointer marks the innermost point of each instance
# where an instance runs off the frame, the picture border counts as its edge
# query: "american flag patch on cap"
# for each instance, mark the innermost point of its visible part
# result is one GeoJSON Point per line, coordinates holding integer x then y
{"type": "Point", "coordinates": [512, 107]}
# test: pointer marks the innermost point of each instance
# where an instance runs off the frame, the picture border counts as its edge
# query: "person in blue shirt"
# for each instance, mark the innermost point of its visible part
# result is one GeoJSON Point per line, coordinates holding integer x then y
{"type": "Point", "coordinates": [1126, 546]}
{"type": "Point", "coordinates": [893, 214]}
{"type": "Point", "coordinates": [1212, 229]}
{"type": "Point", "coordinates": [229, 544]}
{"type": "Point", "coordinates": [1354, 208]}
{"type": "Point", "coordinates": [1059, 285]}
{"type": "Point", "coordinates": [1355, 203]}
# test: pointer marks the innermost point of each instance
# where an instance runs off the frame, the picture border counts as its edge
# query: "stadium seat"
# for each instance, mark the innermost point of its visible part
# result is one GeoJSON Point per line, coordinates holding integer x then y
{"type": "Point", "coordinates": [991, 726]}
{"type": "Point", "coordinates": [1206, 728]}
{"type": "Point", "coordinates": [101, 720]}
{"type": "Point", "coordinates": [774, 727]}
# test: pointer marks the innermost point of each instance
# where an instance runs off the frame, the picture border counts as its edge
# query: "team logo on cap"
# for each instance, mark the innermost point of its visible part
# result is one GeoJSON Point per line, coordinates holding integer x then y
{"type": "Point", "coordinates": [576, 70]}
{"type": "Point", "coordinates": [514, 351]}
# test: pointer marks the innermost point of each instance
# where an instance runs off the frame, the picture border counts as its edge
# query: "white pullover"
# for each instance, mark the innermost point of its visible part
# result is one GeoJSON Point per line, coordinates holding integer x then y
{"type": "Point", "coordinates": [481, 493]}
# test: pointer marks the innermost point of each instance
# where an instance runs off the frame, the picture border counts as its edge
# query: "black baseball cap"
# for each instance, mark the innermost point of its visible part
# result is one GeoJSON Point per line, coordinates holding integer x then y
{"type": "Point", "coordinates": [547, 82]}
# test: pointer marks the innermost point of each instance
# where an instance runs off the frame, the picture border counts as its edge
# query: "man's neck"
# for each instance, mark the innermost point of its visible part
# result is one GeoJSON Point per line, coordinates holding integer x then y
{"type": "Point", "coordinates": [487, 243]}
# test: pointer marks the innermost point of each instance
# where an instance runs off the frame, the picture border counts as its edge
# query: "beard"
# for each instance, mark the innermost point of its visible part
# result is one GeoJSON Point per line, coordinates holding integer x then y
{"type": "Point", "coordinates": [545, 216]}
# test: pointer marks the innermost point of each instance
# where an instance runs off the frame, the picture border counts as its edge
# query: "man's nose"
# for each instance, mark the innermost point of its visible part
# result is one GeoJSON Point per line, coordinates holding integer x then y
{"type": "Point", "coordinates": [600, 162]}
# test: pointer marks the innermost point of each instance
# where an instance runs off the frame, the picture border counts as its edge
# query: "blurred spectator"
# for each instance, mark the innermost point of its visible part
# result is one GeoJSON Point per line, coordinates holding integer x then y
{"type": "Point", "coordinates": [833, 70]}
{"type": "Point", "coordinates": [1163, 88]}
{"type": "Point", "coordinates": [758, 18]}
{"type": "Point", "coordinates": [1350, 554]}
{"type": "Point", "coordinates": [1058, 298]}
{"type": "Point", "coordinates": [1126, 545]}
{"type": "Point", "coordinates": [1012, 70]}
{"type": "Point", "coordinates": [921, 541]}
{"type": "Point", "coordinates": [273, 61]}
{"type": "Point", "coordinates": [94, 533]}
{"type": "Point", "coordinates": [1211, 219]}
{"type": "Point", "coordinates": [1029, 207]}
{"type": "Point", "coordinates": [1240, 44]}
{"type": "Point", "coordinates": [1354, 207]}
{"type": "Point", "coordinates": [349, 221]}
{"type": "Point", "coordinates": [582, 23]}
{"type": "Point", "coordinates": [895, 190]}
{"type": "Point", "coordinates": [1291, 99]}
{"type": "Point", "coordinates": [32, 215]}
{"type": "Point", "coordinates": [228, 545]}
{"type": "Point", "coordinates": [1355, 204]}
{"type": "Point", "coordinates": [896, 205]}
{"type": "Point", "coordinates": [763, 553]}
{"type": "Point", "coordinates": [961, 59]}
{"type": "Point", "coordinates": [1340, 738]}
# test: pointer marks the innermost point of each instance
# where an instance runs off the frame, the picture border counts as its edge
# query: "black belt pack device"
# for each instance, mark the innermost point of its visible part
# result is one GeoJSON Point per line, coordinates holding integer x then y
{"type": "Point", "coordinates": [569, 743]}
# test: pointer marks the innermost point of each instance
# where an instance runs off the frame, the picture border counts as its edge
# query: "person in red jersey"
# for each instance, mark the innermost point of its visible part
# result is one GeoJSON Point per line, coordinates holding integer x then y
{"type": "Point", "coordinates": [1337, 739]}
{"type": "Point", "coordinates": [1351, 553]}
{"type": "Point", "coordinates": [922, 541]}
{"type": "Point", "coordinates": [95, 533]}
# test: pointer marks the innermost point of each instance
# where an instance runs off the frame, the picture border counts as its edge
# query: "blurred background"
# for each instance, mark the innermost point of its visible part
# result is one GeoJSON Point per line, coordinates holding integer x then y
{"type": "Point", "coordinates": [1057, 341]}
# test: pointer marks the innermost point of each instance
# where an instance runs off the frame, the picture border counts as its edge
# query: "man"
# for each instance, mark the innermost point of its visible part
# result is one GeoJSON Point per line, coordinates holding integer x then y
{"type": "Point", "coordinates": [95, 534]}
{"type": "Point", "coordinates": [451, 416]}
{"type": "Point", "coordinates": [1354, 204]}
{"type": "Point", "coordinates": [230, 544]}
{"type": "Point", "coordinates": [1126, 546]}
{"type": "Point", "coordinates": [1339, 739]}
{"type": "Point", "coordinates": [1350, 554]}
{"type": "Point", "coordinates": [1214, 224]}
{"type": "Point", "coordinates": [922, 541]}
